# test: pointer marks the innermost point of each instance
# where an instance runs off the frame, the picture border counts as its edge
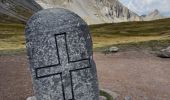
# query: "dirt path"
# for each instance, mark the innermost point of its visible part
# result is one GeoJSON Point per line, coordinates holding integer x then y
{"type": "Point", "coordinates": [139, 75]}
{"type": "Point", "coordinates": [15, 80]}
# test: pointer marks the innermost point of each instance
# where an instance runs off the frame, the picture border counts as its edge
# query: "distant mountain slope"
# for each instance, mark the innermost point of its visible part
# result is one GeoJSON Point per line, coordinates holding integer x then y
{"type": "Point", "coordinates": [17, 11]}
{"type": "Point", "coordinates": [153, 15]}
{"type": "Point", "coordinates": [94, 11]}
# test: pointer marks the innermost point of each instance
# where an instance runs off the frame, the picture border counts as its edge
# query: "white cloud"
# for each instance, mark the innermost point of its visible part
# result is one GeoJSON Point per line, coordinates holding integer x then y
{"type": "Point", "coordinates": [146, 6]}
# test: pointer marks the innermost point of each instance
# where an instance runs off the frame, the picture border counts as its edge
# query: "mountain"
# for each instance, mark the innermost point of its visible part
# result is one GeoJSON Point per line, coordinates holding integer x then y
{"type": "Point", "coordinates": [154, 15]}
{"type": "Point", "coordinates": [94, 11]}
{"type": "Point", "coordinates": [17, 11]}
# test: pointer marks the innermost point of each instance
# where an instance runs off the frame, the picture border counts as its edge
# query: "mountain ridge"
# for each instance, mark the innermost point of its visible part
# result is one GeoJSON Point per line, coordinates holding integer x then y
{"type": "Point", "coordinates": [17, 11]}
{"type": "Point", "coordinates": [92, 11]}
{"type": "Point", "coordinates": [153, 15]}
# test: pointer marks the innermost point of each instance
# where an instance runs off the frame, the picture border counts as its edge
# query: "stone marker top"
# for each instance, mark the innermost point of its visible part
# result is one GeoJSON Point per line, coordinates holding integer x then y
{"type": "Point", "coordinates": [64, 18]}
{"type": "Point", "coordinates": [44, 25]}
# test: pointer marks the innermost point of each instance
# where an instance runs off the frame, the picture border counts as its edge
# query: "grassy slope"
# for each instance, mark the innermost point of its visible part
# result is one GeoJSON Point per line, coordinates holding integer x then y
{"type": "Point", "coordinates": [105, 35]}
{"type": "Point", "coordinates": [152, 34]}
{"type": "Point", "coordinates": [144, 28]}
{"type": "Point", "coordinates": [105, 94]}
{"type": "Point", "coordinates": [11, 37]}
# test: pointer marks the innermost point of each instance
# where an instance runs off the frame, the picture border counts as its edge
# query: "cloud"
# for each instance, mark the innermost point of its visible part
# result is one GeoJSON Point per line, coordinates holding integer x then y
{"type": "Point", "coordinates": [146, 6]}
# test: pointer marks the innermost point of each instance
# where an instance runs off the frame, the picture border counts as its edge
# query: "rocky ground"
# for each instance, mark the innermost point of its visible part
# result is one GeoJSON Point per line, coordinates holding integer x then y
{"type": "Point", "coordinates": [139, 75]}
{"type": "Point", "coordinates": [132, 74]}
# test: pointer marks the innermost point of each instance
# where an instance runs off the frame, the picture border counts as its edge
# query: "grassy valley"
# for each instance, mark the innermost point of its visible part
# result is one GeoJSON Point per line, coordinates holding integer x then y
{"type": "Point", "coordinates": [152, 33]}
{"type": "Point", "coordinates": [11, 38]}
{"type": "Point", "coordinates": [127, 34]}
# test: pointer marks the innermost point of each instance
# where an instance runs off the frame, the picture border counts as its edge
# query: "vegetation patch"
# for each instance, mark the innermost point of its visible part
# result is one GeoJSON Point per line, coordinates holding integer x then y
{"type": "Point", "coordinates": [11, 37]}
{"type": "Point", "coordinates": [12, 52]}
{"type": "Point", "coordinates": [105, 94]}
{"type": "Point", "coordinates": [142, 28]}
{"type": "Point", "coordinates": [129, 32]}
{"type": "Point", "coordinates": [151, 34]}
{"type": "Point", "coordinates": [152, 45]}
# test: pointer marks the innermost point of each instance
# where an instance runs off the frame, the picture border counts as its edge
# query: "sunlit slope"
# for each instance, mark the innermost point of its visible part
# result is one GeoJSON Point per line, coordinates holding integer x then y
{"type": "Point", "coordinates": [117, 33]}
{"type": "Point", "coordinates": [12, 35]}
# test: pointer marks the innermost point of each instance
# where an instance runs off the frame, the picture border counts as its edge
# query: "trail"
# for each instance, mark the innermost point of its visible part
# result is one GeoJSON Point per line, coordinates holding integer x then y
{"type": "Point", "coordinates": [137, 74]}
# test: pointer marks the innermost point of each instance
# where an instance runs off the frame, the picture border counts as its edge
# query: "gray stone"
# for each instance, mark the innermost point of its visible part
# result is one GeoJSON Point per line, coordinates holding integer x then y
{"type": "Point", "coordinates": [164, 53]}
{"type": "Point", "coordinates": [128, 98]}
{"type": "Point", "coordinates": [31, 98]}
{"type": "Point", "coordinates": [102, 98]}
{"type": "Point", "coordinates": [59, 48]}
{"type": "Point", "coordinates": [113, 49]}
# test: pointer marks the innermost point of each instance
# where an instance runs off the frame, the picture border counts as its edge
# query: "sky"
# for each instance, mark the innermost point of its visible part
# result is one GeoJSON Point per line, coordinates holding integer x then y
{"type": "Point", "coordinates": [143, 7]}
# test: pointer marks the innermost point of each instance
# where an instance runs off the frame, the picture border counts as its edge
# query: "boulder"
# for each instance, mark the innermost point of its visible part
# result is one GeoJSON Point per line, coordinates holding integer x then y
{"type": "Point", "coordinates": [102, 98]}
{"type": "Point", "coordinates": [164, 53]}
{"type": "Point", "coordinates": [113, 49]}
{"type": "Point", "coordinates": [128, 98]}
{"type": "Point", "coordinates": [31, 98]}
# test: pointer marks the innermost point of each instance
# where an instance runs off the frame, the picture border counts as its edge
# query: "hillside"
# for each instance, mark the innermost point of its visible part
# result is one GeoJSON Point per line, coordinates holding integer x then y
{"type": "Point", "coordinates": [131, 33]}
{"type": "Point", "coordinates": [154, 15]}
{"type": "Point", "coordinates": [17, 11]}
{"type": "Point", "coordinates": [144, 28]}
{"type": "Point", "coordinates": [156, 33]}
{"type": "Point", "coordinates": [94, 11]}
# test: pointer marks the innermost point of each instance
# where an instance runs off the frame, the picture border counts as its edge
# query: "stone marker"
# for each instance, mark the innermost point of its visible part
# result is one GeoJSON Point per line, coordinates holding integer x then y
{"type": "Point", "coordinates": [59, 49]}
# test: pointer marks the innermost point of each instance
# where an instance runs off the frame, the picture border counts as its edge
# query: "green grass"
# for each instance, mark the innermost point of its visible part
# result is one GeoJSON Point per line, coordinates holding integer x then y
{"type": "Point", "coordinates": [12, 37]}
{"type": "Point", "coordinates": [12, 52]}
{"type": "Point", "coordinates": [152, 45]}
{"type": "Point", "coordinates": [127, 34]}
{"type": "Point", "coordinates": [105, 94]}
{"type": "Point", "coordinates": [145, 28]}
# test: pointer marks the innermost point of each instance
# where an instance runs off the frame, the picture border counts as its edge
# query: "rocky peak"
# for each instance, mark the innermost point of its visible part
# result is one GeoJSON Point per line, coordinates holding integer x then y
{"type": "Point", "coordinates": [153, 15]}
{"type": "Point", "coordinates": [94, 11]}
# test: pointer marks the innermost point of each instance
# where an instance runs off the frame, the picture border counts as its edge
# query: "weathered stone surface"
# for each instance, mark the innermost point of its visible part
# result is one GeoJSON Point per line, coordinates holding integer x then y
{"type": "Point", "coordinates": [100, 98]}
{"type": "Point", "coordinates": [59, 49]}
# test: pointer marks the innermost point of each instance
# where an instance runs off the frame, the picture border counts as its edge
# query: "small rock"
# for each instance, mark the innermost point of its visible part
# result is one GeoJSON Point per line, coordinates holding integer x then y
{"type": "Point", "coordinates": [128, 98]}
{"type": "Point", "coordinates": [102, 98]}
{"type": "Point", "coordinates": [113, 49]}
{"type": "Point", "coordinates": [31, 98]}
{"type": "Point", "coordinates": [145, 98]}
{"type": "Point", "coordinates": [164, 53]}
